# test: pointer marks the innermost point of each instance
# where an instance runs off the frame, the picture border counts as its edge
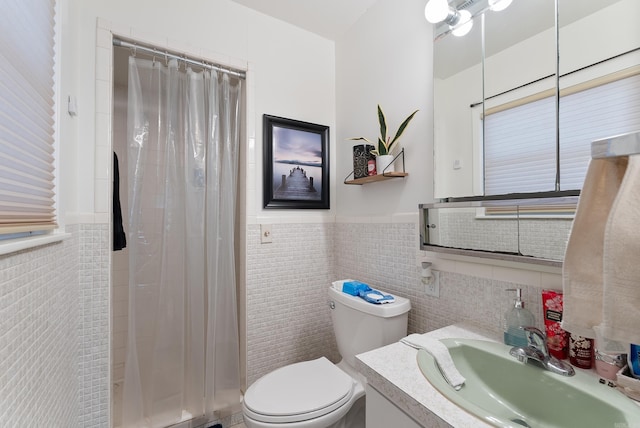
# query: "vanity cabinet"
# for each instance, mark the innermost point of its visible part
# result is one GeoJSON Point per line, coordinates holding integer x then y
{"type": "Point", "coordinates": [382, 413]}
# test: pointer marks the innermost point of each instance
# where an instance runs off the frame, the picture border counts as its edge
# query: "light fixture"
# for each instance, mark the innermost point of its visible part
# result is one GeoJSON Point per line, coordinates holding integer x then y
{"type": "Point", "coordinates": [463, 24]}
{"type": "Point", "coordinates": [436, 11]}
{"type": "Point", "coordinates": [498, 5]}
{"type": "Point", "coordinates": [459, 21]}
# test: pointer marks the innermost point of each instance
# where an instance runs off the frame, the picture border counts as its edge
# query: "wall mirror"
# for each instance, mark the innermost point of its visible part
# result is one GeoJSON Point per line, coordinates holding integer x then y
{"type": "Point", "coordinates": [525, 230]}
{"type": "Point", "coordinates": [544, 91]}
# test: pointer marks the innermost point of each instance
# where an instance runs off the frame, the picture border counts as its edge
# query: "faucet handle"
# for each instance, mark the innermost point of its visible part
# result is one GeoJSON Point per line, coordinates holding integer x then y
{"type": "Point", "coordinates": [537, 339]}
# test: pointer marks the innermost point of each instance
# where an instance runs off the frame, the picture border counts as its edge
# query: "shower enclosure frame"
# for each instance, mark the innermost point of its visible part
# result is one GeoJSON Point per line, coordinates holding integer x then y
{"type": "Point", "coordinates": [108, 68]}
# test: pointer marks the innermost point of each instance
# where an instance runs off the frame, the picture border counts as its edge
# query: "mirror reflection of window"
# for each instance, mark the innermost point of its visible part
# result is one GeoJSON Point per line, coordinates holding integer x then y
{"type": "Point", "coordinates": [517, 68]}
{"type": "Point", "coordinates": [520, 138]}
{"type": "Point", "coordinates": [597, 109]}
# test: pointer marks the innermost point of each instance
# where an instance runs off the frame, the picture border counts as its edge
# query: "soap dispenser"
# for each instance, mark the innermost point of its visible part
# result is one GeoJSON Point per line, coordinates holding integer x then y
{"type": "Point", "coordinates": [515, 318]}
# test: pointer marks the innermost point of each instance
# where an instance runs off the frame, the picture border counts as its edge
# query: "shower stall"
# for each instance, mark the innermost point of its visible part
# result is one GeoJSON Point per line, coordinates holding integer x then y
{"type": "Point", "coordinates": [177, 128]}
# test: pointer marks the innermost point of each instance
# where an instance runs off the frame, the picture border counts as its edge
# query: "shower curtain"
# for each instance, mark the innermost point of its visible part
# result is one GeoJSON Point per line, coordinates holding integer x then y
{"type": "Point", "coordinates": [183, 140]}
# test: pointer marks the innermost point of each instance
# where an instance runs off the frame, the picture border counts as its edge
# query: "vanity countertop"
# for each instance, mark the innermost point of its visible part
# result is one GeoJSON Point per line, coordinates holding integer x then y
{"type": "Point", "coordinates": [393, 371]}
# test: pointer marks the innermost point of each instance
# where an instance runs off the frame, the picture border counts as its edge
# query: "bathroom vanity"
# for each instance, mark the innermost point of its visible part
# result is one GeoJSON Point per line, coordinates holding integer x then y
{"type": "Point", "coordinates": [397, 387]}
{"type": "Point", "coordinates": [499, 389]}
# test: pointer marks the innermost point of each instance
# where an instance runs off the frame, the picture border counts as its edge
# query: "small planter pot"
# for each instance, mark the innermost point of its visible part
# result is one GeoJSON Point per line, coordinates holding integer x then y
{"type": "Point", "coordinates": [384, 161]}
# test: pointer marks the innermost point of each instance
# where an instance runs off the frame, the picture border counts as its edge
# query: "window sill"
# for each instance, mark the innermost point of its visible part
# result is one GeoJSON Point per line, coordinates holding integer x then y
{"type": "Point", "coordinates": [19, 244]}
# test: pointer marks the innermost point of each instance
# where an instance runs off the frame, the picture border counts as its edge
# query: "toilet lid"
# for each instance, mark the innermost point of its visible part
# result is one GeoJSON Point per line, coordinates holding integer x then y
{"type": "Point", "coordinates": [298, 392]}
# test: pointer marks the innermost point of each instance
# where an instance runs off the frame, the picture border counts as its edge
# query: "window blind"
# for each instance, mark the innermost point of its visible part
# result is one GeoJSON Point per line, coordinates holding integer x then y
{"type": "Point", "coordinates": [519, 142]}
{"type": "Point", "coordinates": [27, 116]}
{"type": "Point", "coordinates": [520, 148]}
{"type": "Point", "coordinates": [593, 114]}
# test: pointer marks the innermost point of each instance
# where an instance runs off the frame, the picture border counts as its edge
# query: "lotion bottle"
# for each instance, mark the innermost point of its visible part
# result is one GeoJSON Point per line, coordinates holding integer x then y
{"type": "Point", "coordinates": [515, 318]}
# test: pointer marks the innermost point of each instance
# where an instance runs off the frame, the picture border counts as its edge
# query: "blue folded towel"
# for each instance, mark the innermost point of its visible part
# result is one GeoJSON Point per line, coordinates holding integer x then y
{"type": "Point", "coordinates": [354, 287]}
{"type": "Point", "coordinates": [362, 290]}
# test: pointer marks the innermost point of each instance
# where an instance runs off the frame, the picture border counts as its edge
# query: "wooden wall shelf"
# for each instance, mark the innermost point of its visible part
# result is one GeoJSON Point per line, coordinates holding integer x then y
{"type": "Point", "coordinates": [374, 178]}
{"type": "Point", "coordinates": [379, 177]}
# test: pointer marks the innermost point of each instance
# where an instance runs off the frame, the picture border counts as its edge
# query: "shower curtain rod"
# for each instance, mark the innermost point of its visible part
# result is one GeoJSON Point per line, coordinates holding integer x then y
{"type": "Point", "coordinates": [167, 54]}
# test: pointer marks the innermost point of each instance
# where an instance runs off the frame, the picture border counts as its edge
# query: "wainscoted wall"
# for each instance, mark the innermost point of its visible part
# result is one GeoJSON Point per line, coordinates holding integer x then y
{"type": "Point", "coordinates": [54, 308]}
{"type": "Point", "coordinates": [54, 332]}
{"type": "Point", "coordinates": [93, 325]}
{"type": "Point", "coordinates": [386, 256]}
{"type": "Point", "coordinates": [39, 323]}
{"type": "Point", "coordinates": [287, 317]}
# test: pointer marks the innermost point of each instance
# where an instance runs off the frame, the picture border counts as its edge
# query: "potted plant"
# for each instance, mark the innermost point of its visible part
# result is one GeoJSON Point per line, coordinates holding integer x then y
{"type": "Point", "coordinates": [386, 143]}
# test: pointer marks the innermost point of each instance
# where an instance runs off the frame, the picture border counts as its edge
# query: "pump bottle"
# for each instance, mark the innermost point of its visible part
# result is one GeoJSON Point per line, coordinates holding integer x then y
{"type": "Point", "coordinates": [516, 318]}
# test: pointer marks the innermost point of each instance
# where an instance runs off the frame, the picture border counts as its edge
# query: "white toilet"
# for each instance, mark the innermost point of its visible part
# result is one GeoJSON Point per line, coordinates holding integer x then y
{"type": "Point", "coordinates": [318, 393]}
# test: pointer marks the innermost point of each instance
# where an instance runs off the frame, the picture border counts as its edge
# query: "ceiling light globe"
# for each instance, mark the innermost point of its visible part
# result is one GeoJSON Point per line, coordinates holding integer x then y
{"type": "Point", "coordinates": [436, 11]}
{"type": "Point", "coordinates": [464, 24]}
{"type": "Point", "coordinates": [498, 5]}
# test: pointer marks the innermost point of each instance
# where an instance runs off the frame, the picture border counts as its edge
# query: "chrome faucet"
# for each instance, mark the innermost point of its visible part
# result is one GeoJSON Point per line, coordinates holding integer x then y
{"type": "Point", "coordinates": [537, 350]}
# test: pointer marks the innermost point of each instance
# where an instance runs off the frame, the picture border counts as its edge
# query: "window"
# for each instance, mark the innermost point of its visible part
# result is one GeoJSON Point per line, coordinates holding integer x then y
{"type": "Point", "coordinates": [27, 38]}
{"type": "Point", "coordinates": [520, 148]}
{"type": "Point", "coordinates": [519, 139]}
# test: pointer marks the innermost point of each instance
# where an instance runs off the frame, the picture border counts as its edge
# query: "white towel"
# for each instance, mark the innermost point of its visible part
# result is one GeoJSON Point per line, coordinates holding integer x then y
{"type": "Point", "coordinates": [621, 305]}
{"type": "Point", "coordinates": [441, 354]}
{"type": "Point", "coordinates": [582, 273]}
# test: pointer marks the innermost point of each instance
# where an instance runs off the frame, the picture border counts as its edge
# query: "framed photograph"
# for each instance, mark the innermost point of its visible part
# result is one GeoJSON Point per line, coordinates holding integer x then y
{"type": "Point", "coordinates": [296, 164]}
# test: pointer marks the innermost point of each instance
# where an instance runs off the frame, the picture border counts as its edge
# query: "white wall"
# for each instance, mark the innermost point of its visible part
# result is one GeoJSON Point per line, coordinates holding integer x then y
{"type": "Point", "coordinates": [291, 74]}
{"type": "Point", "coordinates": [385, 59]}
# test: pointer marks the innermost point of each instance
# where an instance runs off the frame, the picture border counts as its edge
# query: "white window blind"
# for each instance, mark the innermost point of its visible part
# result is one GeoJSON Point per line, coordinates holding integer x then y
{"type": "Point", "coordinates": [596, 113]}
{"type": "Point", "coordinates": [27, 116]}
{"type": "Point", "coordinates": [520, 148]}
{"type": "Point", "coordinates": [519, 142]}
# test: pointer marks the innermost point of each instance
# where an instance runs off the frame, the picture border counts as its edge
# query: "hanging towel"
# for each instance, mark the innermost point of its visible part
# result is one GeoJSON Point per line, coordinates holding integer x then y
{"type": "Point", "coordinates": [441, 354]}
{"type": "Point", "coordinates": [119, 237]}
{"type": "Point", "coordinates": [582, 267]}
{"type": "Point", "coordinates": [621, 267]}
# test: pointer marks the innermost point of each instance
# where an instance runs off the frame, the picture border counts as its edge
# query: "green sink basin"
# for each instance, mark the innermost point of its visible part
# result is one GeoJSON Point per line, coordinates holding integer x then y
{"type": "Point", "coordinates": [506, 393]}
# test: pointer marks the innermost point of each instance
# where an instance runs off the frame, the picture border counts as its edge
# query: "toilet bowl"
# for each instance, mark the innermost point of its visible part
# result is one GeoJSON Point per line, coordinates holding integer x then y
{"type": "Point", "coordinates": [310, 394]}
{"type": "Point", "coordinates": [318, 393]}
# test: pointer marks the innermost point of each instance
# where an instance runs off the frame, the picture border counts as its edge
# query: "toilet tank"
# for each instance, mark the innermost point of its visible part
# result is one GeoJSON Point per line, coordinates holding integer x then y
{"type": "Point", "coordinates": [360, 326]}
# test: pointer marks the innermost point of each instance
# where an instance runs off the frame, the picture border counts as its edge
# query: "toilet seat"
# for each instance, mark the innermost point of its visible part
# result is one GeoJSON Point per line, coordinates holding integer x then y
{"type": "Point", "coordinates": [299, 392]}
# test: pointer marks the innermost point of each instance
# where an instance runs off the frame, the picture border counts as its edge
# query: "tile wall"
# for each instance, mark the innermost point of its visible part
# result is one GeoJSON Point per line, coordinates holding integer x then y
{"type": "Point", "coordinates": [287, 319]}
{"type": "Point", "coordinates": [54, 308]}
{"type": "Point", "coordinates": [93, 325]}
{"type": "Point", "coordinates": [386, 256]}
{"type": "Point", "coordinates": [287, 314]}
{"type": "Point", "coordinates": [39, 348]}
{"type": "Point", "coordinates": [464, 229]}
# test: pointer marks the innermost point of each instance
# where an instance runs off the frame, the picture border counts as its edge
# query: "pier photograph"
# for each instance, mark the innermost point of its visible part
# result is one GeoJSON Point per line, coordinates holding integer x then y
{"type": "Point", "coordinates": [295, 164]}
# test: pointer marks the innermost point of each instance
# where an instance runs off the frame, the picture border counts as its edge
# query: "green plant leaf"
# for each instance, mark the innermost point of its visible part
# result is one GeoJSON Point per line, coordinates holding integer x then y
{"type": "Point", "coordinates": [383, 124]}
{"type": "Point", "coordinates": [382, 147]}
{"type": "Point", "coordinates": [360, 139]}
{"type": "Point", "coordinates": [402, 127]}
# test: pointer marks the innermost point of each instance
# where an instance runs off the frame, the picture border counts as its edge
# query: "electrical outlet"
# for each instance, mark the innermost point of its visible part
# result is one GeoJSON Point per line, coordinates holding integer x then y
{"type": "Point", "coordinates": [432, 288]}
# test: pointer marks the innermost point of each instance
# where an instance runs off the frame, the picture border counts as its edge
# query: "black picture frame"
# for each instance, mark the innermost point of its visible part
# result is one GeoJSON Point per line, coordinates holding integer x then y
{"type": "Point", "coordinates": [295, 153]}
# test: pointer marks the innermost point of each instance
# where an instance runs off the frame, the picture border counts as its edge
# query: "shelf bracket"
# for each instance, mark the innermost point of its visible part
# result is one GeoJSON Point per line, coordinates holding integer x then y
{"type": "Point", "coordinates": [391, 163]}
{"type": "Point", "coordinates": [380, 176]}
